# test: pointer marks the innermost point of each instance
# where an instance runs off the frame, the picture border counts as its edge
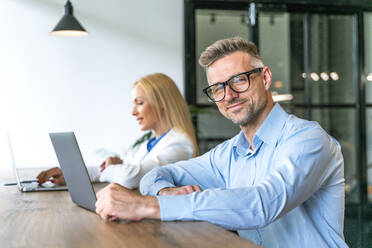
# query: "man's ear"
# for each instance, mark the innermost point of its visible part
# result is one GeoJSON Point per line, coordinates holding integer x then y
{"type": "Point", "coordinates": [267, 77]}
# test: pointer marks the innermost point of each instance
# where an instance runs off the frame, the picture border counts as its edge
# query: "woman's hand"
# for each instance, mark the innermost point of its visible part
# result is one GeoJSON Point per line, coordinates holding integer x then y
{"type": "Point", "coordinates": [55, 173]}
{"type": "Point", "coordinates": [110, 161]}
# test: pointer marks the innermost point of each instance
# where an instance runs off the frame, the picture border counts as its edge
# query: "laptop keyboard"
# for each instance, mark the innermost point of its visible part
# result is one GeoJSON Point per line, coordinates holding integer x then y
{"type": "Point", "coordinates": [35, 185]}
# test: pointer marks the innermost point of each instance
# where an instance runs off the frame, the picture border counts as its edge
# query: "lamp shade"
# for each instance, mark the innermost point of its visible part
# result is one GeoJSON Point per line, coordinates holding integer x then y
{"type": "Point", "coordinates": [68, 25]}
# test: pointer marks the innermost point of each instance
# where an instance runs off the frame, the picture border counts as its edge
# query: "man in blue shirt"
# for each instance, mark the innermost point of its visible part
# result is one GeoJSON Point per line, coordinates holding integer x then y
{"type": "Point", "coordinates": [278, 183]}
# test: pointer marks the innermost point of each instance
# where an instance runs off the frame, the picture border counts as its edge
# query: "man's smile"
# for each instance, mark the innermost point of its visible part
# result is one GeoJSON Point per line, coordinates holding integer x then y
{"type": "Point", "coordinates": [236, 106]}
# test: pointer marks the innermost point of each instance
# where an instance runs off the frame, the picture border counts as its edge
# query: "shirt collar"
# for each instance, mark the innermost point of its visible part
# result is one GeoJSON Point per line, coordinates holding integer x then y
{"type": "Point", "coordinates": [269, 132]}
{"type": "Point", "coordinates": [270, 129]}
{"type": "Point", "coordinates": [241, 144]}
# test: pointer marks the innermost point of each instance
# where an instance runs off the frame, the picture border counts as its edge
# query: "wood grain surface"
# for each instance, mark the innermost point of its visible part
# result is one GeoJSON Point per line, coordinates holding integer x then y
{"type": "Point", "coordinates": [51, 219]}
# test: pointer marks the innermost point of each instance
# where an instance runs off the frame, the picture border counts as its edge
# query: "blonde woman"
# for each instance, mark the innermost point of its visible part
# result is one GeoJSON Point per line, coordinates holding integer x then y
{"type": "Point", "coordinates": [158, 106]}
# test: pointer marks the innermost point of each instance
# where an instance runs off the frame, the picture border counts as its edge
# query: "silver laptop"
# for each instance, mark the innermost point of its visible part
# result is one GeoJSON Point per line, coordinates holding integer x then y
{"type": "Point", "coordinates": [74, 169]}
{"type": "Point", "coordinates": [30, 185]}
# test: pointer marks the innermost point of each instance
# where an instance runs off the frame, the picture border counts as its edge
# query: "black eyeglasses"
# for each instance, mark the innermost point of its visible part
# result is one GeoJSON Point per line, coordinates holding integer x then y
{"type": "Point", "coordinates": [238, 83]}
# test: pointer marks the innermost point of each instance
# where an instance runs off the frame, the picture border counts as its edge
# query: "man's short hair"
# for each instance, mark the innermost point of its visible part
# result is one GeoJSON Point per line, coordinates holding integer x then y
{"type": "Point", "coordinates": [222, 48]}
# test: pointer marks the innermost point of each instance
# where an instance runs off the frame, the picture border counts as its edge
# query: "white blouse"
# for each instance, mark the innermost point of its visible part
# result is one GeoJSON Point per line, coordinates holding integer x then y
{"type": "Point", "coordinates": [173, 147]}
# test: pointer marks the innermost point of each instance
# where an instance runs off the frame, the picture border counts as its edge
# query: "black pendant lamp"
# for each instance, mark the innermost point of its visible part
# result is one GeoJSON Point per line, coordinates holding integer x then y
{"type": "Point", "coordinates": [68, 25]}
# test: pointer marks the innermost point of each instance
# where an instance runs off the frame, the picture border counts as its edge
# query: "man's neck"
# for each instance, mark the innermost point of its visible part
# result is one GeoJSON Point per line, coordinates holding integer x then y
{"type": "Point", "coordinates": [250, 129]}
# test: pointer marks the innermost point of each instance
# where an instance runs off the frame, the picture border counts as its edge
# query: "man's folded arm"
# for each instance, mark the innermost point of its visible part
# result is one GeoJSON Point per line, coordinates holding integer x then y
{"type": "Point", "coordinates": [296, 176]}
{"type": "Point", "coordinates": [196, 171]}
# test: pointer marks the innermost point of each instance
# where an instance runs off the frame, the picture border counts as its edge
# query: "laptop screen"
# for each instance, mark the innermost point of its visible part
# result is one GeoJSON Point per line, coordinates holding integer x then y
{"type": "Point", "coordinates": [74, 169]}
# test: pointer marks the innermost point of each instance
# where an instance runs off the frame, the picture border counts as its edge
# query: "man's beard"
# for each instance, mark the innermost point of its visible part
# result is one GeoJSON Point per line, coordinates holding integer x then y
{"type": "Point", "coordinates": [252, 113]}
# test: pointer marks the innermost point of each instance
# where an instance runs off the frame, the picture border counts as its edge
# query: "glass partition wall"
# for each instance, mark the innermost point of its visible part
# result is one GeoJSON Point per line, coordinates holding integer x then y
{"type": "Point", "coordinates": [310, 56]}
{"type": "Point", "coordinates": [368, 87]}
{"type": "Point", "coordinates": [321, 60]}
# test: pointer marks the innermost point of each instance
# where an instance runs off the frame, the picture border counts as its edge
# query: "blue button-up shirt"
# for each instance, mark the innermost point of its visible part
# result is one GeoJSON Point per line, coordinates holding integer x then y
{"type": "Point", "coordinates": [287, 192]}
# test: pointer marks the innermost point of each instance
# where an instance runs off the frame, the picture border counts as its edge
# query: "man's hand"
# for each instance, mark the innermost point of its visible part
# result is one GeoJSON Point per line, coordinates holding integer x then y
{"type": "Point", "coordinates": [116, 202]}
{"type": "Point", "coordinates": [109, 161]}
{"type": "Point", "coordinates": [184, 190]}
{"type": "Point", "coordinates": [55, 173]}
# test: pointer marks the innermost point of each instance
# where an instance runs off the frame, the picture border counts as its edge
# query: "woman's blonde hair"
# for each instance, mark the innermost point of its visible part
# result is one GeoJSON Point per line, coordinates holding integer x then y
{"type": "Point", "coordinates": [163, 95]}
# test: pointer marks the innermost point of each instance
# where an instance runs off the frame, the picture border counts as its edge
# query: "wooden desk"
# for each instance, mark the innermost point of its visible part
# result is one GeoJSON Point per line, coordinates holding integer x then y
{"type": "Point", "coordinates": [51, 219]}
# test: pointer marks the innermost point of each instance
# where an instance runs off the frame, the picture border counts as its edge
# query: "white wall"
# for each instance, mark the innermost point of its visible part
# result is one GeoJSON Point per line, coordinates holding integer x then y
{"type": "Point", "coordinates": [82, 84]}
